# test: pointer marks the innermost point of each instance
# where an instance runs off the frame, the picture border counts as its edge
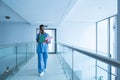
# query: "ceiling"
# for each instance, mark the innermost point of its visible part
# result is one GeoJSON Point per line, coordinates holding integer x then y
{"type": "Point", "coordinates": [38, 11]}
{"type": "Point", "coordinates": [92, 10]}
{"type": "Point", "coordinates": [7, 11]}
{"type": "Point", "coordinates": [53, 12]}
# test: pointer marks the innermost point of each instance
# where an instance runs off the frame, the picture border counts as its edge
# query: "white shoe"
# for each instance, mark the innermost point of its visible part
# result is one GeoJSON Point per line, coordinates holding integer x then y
{"type": "Point", "coordinates": [41, 74]}
{"type": "Point", "coordinates": [45, 70]}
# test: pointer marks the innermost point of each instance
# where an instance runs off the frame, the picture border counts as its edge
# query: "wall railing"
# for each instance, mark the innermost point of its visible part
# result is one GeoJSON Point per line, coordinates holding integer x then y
{"type": "Point", "coordinates": [83, 64]}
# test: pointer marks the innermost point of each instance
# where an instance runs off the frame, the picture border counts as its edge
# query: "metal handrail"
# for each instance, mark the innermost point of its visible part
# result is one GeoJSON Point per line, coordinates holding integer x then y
{"type": "Point", "coordinates": [14, 44]}
{"type": "Point", "coordinates": [104, 59]}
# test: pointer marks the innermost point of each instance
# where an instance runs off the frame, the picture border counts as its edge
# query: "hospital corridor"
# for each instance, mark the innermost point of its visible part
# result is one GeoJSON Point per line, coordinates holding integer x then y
{"type": "Point", "coordinates": [59, 39]}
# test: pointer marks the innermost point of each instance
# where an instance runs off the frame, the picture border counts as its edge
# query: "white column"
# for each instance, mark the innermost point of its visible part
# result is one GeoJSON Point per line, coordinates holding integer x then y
{"type": "Point", "coordinates": [118, 39]}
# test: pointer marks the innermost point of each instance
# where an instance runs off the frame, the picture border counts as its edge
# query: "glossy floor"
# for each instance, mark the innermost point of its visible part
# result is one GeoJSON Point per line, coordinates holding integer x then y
{"type": "Point", "coordinates": [29, 71]}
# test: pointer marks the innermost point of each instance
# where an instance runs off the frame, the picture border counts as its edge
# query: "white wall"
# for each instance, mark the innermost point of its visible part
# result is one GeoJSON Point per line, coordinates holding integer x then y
{"type": "Point", "coordinates": [11, 32]}
{"type": "Point", "coordinates": [78, 34]}
{"type": "Point", "coordinates": [16, 29]}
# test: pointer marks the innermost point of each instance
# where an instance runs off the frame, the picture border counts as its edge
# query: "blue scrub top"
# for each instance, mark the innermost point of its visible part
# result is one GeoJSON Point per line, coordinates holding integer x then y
{"type": "Point", "coordinates": [42, 47]}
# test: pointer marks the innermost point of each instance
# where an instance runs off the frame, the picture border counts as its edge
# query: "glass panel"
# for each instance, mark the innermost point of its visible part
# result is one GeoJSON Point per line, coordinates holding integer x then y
{"type": "Point", "coordinates": [68, 62]}
{"type": "Point", "coordinates": [102, 48]}
{"type": "Point", "coordinates": [7, 58]}
{"type": "Point", "coordinates": [112, 36]}
{"type": "Point", "coordinates": [21, 53]}
{"type": "Point", "coordinates": [102, 64]}
{"type": "Point", "coordinates": [65, 57]}
{"type": "Point", "coordinates": [102, 74]}
{"type": "Point", "coordinates": [30, 50]}
{"type": "Point", "coordinates": [83, 66]}
{"type": "Point", "coordinates": [112, 40]}
{"type": "Point", "coordinates": [78, 66]}
{"type": "Point", "coordinates": [102, 36]}
{"type": "Point", "coordinates": [13, 56]}
{"type": "Point", "coordinates": [113, 73]}
{"type": "Point", "coordinates": [113, 77]}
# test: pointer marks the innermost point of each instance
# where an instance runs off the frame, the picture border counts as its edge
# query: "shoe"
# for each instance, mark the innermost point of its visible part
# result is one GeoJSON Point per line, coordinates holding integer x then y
{"type": "Point", "coordinates": [45, 70]}
{"type": "Point", "coordinates": [41, 74]}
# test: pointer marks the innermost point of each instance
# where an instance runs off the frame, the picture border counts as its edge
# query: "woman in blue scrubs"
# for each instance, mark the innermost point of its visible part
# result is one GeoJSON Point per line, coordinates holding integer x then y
{"type": "Point", "coordinates": [42, 50]}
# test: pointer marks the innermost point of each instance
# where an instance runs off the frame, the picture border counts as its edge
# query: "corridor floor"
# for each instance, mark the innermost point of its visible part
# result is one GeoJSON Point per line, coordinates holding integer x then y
{"type": "Point", "coordinates": [29, 70]}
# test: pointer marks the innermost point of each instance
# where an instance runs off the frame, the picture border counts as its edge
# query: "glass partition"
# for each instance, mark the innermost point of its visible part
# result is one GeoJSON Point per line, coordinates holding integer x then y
{"type": "Point", "coordinates": [65, 58]}
{"type": "Point", "coordinates": [7, 58]}
{"type": "Point", "coordinates": [13, 56]}
{"type": "Point", "coordinates": [83, 66]}
{"type": "Point", "coordinates": [21, 53]}
{"type": "Point", "coordinates": [113, 25]}
{"type": "Point", "coordinates": [78, 66]}
{"type": "Point", "coordinates": [102, 36]}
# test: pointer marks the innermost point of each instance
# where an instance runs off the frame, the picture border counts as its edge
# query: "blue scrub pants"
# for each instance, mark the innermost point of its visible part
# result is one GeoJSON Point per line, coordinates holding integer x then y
{"type": "Point", "coordinates": [42, 61]}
